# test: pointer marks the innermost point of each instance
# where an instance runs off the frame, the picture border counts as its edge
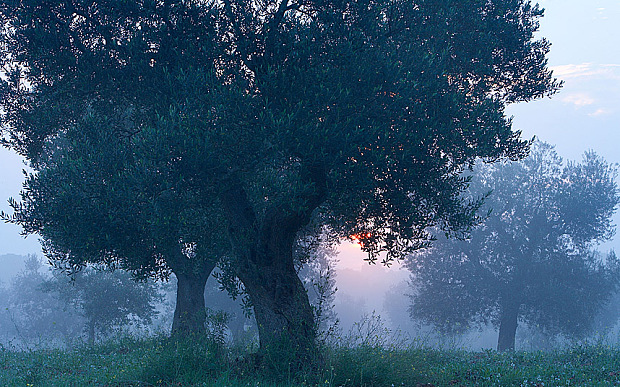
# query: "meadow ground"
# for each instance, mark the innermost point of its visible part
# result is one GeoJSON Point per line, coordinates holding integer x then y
{"type": "Point", "coordinates": [164, 362]}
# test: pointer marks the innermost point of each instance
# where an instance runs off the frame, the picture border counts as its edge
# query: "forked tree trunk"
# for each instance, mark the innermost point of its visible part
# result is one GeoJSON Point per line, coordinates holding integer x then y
{"type": "Point", "coordinates": [265, 266]}
{"type": "Point", "coordinates": [190, 312]}
{"type": "Point", "coordinates": [283, 313]}
{"type": "Point", "coordinates": [508, 327]}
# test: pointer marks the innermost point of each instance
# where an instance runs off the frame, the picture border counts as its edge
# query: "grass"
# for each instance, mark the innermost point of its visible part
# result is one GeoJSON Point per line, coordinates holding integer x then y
{"type": "Point", "coordinates": [163, 362]}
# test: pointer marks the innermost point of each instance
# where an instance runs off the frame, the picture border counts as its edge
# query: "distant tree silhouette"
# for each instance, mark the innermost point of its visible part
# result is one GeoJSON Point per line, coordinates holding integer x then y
{"type": "Point", "coordinates": [106, 300]}
{"type": "Point", "coordinates": [533, 258]}
{"type": "Point", "coordinates": [32, 315]}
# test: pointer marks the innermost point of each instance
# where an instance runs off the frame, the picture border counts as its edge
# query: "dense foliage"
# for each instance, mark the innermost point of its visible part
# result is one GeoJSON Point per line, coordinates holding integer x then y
{"type": "Point", "coordinates": [533, 258]}
{"type": "Point", "coordinates": [257, 118]}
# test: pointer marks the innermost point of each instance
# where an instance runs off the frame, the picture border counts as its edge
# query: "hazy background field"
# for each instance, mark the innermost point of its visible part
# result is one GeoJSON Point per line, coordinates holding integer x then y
{"type": "Point", "coordinates": [584, 115]}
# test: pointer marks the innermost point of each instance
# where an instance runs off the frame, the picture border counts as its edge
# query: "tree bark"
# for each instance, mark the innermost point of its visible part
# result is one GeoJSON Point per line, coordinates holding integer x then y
{"type": "Point", "coordinates": [265, 266]}
{"type": "Point", "coordinates": [508, 327]}
{"type": "Point", "coordinates": [190, 311]}
{"type": "Point", "coordinates": [283, 313]}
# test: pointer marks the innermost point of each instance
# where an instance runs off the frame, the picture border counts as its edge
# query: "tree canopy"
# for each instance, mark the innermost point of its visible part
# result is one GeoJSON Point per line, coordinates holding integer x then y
{"type": "Point", "coordinates": [103, 200]}
{"type": "Point", "coordinates": [360, 115]}
{"type": "Point", "coordinates": [533, 258]}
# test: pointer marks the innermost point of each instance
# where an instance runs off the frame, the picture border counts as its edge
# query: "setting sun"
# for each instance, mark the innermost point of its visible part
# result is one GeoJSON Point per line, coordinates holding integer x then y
{"type": "Point", "coordinates": [358, 238]}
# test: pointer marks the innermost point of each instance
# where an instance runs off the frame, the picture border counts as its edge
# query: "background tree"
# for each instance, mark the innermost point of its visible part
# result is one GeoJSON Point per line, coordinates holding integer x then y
{"type": "Point", "coordinates": [46, 306]}
{"type": "Point", "coordinates": [606, 321]}
{"type": "Point", "coordinates": [104, 200]}
{"type": "Point", "coordinates": [532, 260]}
{"type": "Point", "coordinates": [110, 187]}
{"type": "Point", "coordinates": [4, 317]}
{"type": "Point", "coordinates": [106, 300]}
{"type": "Point", "coordinates": [316, 268]}
{"type": "Point", "coordinates": [358, 115]}
{"type": "Point", "coordinates": [33, 316]}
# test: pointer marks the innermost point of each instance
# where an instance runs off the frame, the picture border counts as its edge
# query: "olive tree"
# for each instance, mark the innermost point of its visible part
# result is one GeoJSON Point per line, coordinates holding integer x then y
{"type": "Point", "coordinates": [533, 259]}
{"type": "Point", "coordinates": [357, 115]}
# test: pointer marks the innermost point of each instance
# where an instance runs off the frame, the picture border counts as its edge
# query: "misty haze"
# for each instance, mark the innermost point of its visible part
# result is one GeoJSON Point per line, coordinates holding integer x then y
{"type": "Point", "coordinates": [284, 193]}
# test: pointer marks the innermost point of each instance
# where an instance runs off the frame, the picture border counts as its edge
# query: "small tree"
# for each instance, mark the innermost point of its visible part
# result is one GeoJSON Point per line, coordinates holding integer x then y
{"type": "Point", "coordinates": [106, 300]}
{"type": "Point", "coordinates": [532, 259]}
{"type": "Point", "coordinates": [4, 317]}
{"type": "Point", "coordinates": [30, 313]}
{"type": "Point", "coordinates": [316, 268]}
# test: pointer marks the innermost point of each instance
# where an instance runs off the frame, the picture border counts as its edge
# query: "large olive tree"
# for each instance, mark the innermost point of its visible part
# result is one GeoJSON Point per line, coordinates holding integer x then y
{"type": "Point", "coordinates": [358, 115]}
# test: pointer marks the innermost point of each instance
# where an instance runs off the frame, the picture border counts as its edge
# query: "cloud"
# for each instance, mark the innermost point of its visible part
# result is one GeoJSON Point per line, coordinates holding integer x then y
{"type": "Point", "coordinates": [572, 70]}
{"type": "Point", "coordinates": [600, 112]}
{"type": "Point", "coordinates": [579, 99]}
{"type": "Point", "coordinates": [611, 67]}
{"type": "Point", "coordinates": [602, 14]}
{"type": "Point", "coordinates": [587, 70]}
{"type": "Point", "coordinates": [594, 89]}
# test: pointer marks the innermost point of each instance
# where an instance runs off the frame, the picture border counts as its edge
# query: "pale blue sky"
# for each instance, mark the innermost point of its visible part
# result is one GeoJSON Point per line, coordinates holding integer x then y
{"type": "Point", "coordinates": [585, 53]}
{"type": "Point", "coordinates": [585, 115]}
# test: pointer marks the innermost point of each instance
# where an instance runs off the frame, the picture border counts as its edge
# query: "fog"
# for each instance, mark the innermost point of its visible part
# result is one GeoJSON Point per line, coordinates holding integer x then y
{"type": "Point", "coordinates": [371, 304]}
{"type": "Point", "coordinates": [365, 302]}
{"type": "Point", "coordinates": [583, 116]}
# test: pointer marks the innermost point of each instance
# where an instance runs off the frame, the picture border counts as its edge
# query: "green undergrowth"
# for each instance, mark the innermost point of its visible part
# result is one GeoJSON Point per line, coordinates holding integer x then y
{"type": "Point", "coordinates": [201, 362]}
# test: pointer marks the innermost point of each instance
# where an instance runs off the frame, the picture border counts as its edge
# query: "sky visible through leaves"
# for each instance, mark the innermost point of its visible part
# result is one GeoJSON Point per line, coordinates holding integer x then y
{"type": "Point", "coordinates": [584, 115]}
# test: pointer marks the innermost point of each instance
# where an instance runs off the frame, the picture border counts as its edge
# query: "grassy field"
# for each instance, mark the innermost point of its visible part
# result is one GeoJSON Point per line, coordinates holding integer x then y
{"type": "Point", "coordinates": [162, 362]}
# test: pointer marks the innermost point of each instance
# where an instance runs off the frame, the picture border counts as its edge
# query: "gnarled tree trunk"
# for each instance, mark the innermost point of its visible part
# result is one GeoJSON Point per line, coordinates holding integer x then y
{"type": "Point", "coordinates": [265, 266]}
{"type": "Point", "coordinates": [508, 326]}
{"type": "Point", "coordinates": [283, 313]}
{"type": "Point", "coordinates": [192, 275]}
